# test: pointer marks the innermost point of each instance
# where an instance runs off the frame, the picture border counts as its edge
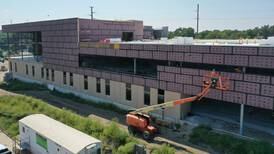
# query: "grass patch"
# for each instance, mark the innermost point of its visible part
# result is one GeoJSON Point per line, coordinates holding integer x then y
{"type": "Point", "coordinates": [223, 143]}
{"type": "Point", "coordinates": [164, 149]}
{"type": "Point", "coordinates": [17, 85]}
{"type": "Point", "coordinates": [102, 105]}
{"type": "Point", "coordinates": [13, 108]}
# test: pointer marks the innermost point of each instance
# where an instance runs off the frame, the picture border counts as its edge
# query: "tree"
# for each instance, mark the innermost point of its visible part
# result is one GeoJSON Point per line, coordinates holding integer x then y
{"type": "Point", "coordinates": [257, 32]}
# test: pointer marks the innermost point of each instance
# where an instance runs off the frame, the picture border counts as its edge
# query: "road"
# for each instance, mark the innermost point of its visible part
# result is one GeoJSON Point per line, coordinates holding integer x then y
{"type": "Point", "coordinates": [6, 141]}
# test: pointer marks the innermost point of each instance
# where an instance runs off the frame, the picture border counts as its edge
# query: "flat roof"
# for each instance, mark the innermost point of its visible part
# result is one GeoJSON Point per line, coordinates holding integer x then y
{"type": "Point", "coordinates": [67, 137]}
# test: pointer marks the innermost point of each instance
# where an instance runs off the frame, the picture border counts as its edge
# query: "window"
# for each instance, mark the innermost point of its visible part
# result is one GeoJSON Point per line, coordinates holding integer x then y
{"type": "Point", "coordinates": [70, 79]}
{"type": "Point", "coordinates": [33, 71]}
{"type": "Point", "coordinates": [147, 96]}
{"type": "Point", "coordinates": [23, 129]}
{"type": "Point", "coordinates": [15, 67]}
{"type": "Point", "coordinates": [127, 36]}
{"type": "Point", "coordinates": [128, 92]}
{"type": "Point", "coordinates": [27, 70]}
{"type": "Point", "coordinates": [47, 74]}
{"type": "Point", "coordinates": [64, 77]}
{"type": "Point", "coordinates": [107, 88]}
{"type": "Point", "coordinates": [10, 66]}
{"type": "Point", "coordinates": [98, 85]}
{"type": "Point", "coordinates": [40, 140]}
{"type": "Point", "coordinates": [85, 82]}
{"type": "Point", "coordinates": [161, 96]}
{"type": "Point", "coordinates": [52, 75]}
{"type": "Point", "coordinates": [42, 72]}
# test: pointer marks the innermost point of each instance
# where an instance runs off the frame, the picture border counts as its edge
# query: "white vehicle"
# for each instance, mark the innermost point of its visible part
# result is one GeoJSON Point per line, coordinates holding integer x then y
{"type": "Point", "coordinates": [4, 150]}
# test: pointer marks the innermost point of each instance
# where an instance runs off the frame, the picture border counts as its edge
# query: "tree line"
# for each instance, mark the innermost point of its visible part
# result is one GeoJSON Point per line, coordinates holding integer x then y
{"type": "Point", "coordinates": [255, 33]}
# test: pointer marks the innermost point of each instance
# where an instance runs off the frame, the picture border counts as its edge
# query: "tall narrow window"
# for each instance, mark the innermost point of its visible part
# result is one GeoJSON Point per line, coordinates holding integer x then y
{"type": "Point", "coordinates": [161, 96]}
{"type": "Point", "coordinates": [15, 67]}
{"type": "Point", "coordinates": [33, 71]}
{"type": "Point", "coordinates": [128, 92]}
{"type": "Point", "coordinates": [42, 72]}
{"type": "Point", "coordinates": [147, 96]}
{"type": "Point", "coordinates": [47, 74]}
{"type": "Point", "coordinates": [70, 79]}
{"type": "Point", "coordinates": [98, 85]}
{"type": "Point", "coordinates": [85, 82]}
{"type": "Point", "coordinates": [107, 88]}
{"type": "Point", "coordinates": [52, 75]}
{"type": "Point", "coordinates": [27, 70]}
{"type": "Point", "coordinates": [10, 64]}
{"type": "Point", "coordinates": [64, 77]}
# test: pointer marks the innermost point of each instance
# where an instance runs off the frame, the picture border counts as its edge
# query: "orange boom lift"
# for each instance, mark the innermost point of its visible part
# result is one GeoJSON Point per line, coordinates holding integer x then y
{"type": "Point", "coordinates": [140, 121]}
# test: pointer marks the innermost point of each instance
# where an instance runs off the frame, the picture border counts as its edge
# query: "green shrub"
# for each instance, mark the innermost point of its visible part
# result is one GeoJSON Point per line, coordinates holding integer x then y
{"type": "Point", "coordinates": [16, 85]}
{"type": "Point", "coordinates": [164, 149]}
{"type": "Point", "coordinates": [13, 108]}
{"type": "Point", "coordinates": [224, 143]}
{"type": "Point", "coordinates": [126, 149]}
{"type": "Point", "coordinates": [106, 106]}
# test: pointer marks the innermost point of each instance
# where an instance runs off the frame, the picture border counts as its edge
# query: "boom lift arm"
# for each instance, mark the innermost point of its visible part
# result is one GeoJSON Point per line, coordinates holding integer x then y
{"type": "Point", "coordinates": [212, 80]}
{"type": "Point", "coordinates": [139, 119]}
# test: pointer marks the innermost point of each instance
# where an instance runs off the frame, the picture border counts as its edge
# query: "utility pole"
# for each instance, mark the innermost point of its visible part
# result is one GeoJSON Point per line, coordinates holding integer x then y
{"type": "Point", "coordinates": [91, 12]}
{"type": "Point", "coordinates": [198, 18]}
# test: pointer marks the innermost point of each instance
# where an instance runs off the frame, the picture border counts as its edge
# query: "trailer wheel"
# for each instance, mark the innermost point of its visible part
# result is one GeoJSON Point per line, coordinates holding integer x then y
{"type": "Point", "coordinates": [147, 135]}
{"type": "Point", "coordinates": [131, 130]}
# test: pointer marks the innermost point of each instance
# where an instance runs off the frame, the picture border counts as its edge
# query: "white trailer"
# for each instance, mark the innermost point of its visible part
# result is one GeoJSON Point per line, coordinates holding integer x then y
{"type": "Point", "coordinates": [40, 134]}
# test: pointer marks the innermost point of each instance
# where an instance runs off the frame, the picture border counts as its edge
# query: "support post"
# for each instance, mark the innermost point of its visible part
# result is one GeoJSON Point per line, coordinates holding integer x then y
{"type": "Point", "coordinates": [134, 67]}
{"type": "Point", "coordinates": [241, 119]}
{"type": "Point", "coordinates": [163, 114]}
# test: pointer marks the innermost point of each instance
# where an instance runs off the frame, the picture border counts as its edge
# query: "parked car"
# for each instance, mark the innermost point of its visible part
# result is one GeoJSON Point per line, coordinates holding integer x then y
{"type": "Point", "coordinates": [4, 150]}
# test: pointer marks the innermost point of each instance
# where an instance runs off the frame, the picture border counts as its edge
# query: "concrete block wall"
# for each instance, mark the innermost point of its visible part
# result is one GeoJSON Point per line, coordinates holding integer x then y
{"type": "Point", "coordinates": [249, 89]}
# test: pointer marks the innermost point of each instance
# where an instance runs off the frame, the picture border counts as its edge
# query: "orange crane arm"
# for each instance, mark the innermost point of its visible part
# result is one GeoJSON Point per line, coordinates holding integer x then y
{"type": "Point", "coordinates": [174, 103]}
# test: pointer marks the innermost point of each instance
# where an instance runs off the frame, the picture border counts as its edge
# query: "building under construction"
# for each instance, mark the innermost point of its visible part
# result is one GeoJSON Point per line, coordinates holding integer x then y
{"type": "Point", "coordinates": [111, 61]}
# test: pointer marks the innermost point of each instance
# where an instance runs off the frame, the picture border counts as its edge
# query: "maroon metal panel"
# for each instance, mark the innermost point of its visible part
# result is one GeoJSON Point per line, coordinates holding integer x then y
{"type": "Point", "coordinates": [190, 71]}
{"type": "Point", "coordinates": [186, 79]}
{"type": "Point", "coordinates": [236, 60]}
{"type": "Point", "coordinates": [267, 51]}
{"type": "Point", "coordinates": [200, 49]}
{"type": "Point", "coordinates": [116, 77]}
{"type": "Point", "coordinates": [181, 48]}
{"type": "Point", "coordinates": [213, 59]}
{"type": "Point", "coordinates": [175, 56]}
{"type": "Point", "coordinates": [126, 78]}
{"type": "Point", "coordinates": [133, 53]}
{"type": "Point", "coordinates": [139, 80]}
{"type": "Point", "coordinates": [106, 75]}
{"type": "Point", "coordinates": [159, 55]}
{"type": "Point", "coordinates": [234, 97]}
{"type": "Point", "coordinates": [193, 57]}
{"type": "Point", "coordinates": [260, 101]}
{"type": "Point", "coordinates": [162, 85]}
{"type": "Point", "coordinates": [221, 49]}
{"type": "Point", "coordinates": [214, 94]}
{"type": "Point", "coordinates": [110, 52]}
{"type": "Point", "coordinates": [174, 87]}
{"type": "Point", "coordinates": [257, 78]}
{"type": "Point", "coordinates": [151, 83]}
{"type": "Point", "coordinates": [245, 50]}
{"type": "Point", "coordinates": [247, 87]}
{"type": "Point", "coordinates": [145, 54]}
{"type": "Point", "coordinates": [267, 90]}
{"type": "Point", "coordinates": [166, 76]}
{"type": "Point", "coordinates": [121, 53]}
{"type": "Point", "coordinates": [191, 90]}
{"type": "Point", "coordinates": [172, 69]}
{"type": "Point", "coordinates": [232, 76]}
{"type": "Point", "coordinates": [263, 62]}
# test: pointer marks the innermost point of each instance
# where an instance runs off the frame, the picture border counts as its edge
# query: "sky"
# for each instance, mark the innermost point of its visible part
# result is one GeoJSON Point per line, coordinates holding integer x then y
{"type": "Point", "coordinates": [214, 14]}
